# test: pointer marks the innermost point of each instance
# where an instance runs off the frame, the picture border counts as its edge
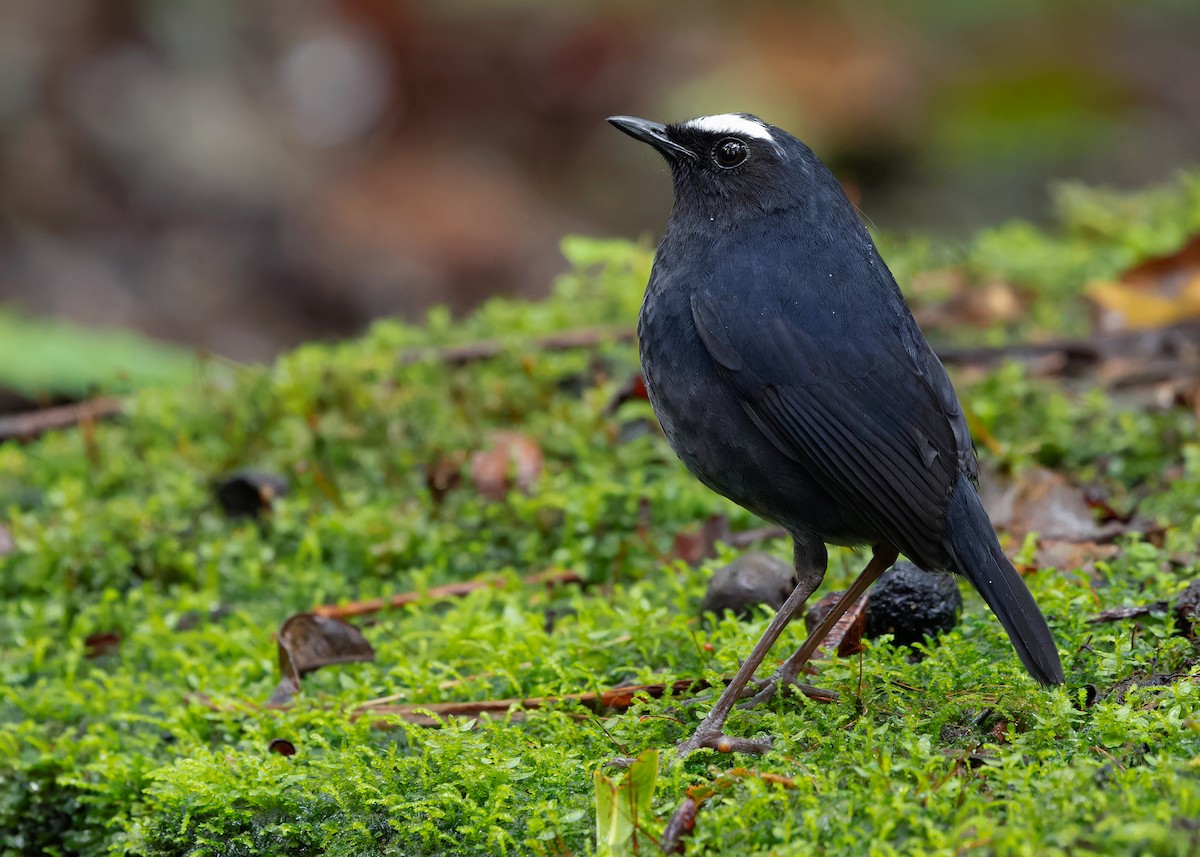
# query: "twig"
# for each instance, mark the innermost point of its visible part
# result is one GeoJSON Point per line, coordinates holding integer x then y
{"type": "Point", "coordinates": [745, 538]}
{"type": "Point", "coordinates": [1156, 342]}
{"type": "Point", "coordinates": [619, 698]}
{"type": "Point", "coordinates": [28, 425]}
{"type": "Point", "coordinates": [551, 577]}
{"type": "Point", "coordinates": [458, 355]}
{"type": "Point", "coordinates": [1093, 349]}
{"type": "Point", "coordinates": [431, 714]}
{"type": "Point", "coordinates": [1132, 611]}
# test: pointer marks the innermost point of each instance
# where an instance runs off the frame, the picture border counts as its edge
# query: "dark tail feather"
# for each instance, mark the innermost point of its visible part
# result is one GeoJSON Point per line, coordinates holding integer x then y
{"type": "Point", "coordinates": [977, 556]}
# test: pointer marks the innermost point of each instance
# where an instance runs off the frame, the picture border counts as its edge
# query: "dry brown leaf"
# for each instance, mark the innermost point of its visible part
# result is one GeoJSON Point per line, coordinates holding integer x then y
{"type": "Point", "coordinates": [444, 474]}
{"type": "Point", "coordinates": [680, 826]}
{"type": "Point", "coordinates": [946, 299]}
{"type": "Point", "coordinates": [513, 461]}
{"type": "Point", "coordinates": [1154, 293]}
{"type": "Point", "coordinates": [694, 546]}
{"type": "Point", "coordinates": [309, 641]}
{"type": "Point", "coordinates": [845, 637]}
{"type": "Point", "coordinates": [282, 746]}
{"type": "Point", "coordinates": [1060, 513]}
{"type": "Point", "coordinates": [102, 643]}
{"type": "Point", "coordinates": [1042, 501]}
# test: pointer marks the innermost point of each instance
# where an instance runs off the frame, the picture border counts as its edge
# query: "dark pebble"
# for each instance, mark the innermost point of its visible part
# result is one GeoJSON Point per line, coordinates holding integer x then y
{"type": "Point", "coordinates": [911, 604]}
{"type": "Point", "coordinates": [249, 492]}
{"type": "Point", "coordinates": [750, 580]}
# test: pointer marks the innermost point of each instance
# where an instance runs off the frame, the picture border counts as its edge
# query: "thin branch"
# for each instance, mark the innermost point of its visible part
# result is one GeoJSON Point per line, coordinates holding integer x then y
{"type": "Point", "coordinates": [458, 355]}
{"type": "Point", "coordinates": [30, 424]}
{"type": "Point", "coordinates": [619, 699]}
{"type": "Point", "coordinates": [745, 538]}
{"type": "Point", "coordinates": [1093, 349]}
{"type": "Point", "coordinates": [551, 577]}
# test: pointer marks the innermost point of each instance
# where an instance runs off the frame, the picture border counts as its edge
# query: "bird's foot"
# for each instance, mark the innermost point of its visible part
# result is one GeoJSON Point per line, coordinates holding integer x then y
{"type": "Point", "coordinates": [754, 686]}
{"type": "Point", "coordinates": [711, 737]}
{"type": "Point", "coordinates": [767, 689]}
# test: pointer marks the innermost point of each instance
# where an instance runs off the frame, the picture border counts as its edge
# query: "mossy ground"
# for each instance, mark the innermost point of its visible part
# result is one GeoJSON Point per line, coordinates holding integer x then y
{"type": "Point", "coordinates": [158, 745]}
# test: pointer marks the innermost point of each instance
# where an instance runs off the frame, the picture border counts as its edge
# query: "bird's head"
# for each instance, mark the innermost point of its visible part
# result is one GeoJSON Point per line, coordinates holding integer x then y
{"type": "Point", "coordinates": [733, 166]}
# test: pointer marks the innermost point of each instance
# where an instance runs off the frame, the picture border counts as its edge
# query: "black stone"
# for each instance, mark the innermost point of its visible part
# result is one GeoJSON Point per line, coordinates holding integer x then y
{"type": "Point", "coordinates": [751, 580]}
{"type": "Point", "coordinates": [911, 604]}
{"type": "Point", "coordinates": [248, 493]}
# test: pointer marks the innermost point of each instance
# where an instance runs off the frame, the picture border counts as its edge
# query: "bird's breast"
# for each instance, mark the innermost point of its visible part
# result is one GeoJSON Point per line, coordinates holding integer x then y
{"type": "Point", "coordinates": [708, 428]}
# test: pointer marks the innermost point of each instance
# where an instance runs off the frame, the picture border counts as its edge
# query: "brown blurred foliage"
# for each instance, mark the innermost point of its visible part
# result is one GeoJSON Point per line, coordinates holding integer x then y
{"type": "Point", "coordinates": [242, 176]}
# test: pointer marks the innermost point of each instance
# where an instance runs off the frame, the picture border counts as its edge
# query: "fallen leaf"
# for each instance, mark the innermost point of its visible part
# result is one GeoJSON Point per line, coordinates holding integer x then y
{"type": "Point", "coordinates": [845, 637]}
{"type": "Point", "coordinates": [102, 643]}
{"type": "Point", "coordinates": [282, 746]}
{"type": "Point", "coordinates": [444, 474]}
{"type": "Point", "coordinates": [1064, 553]}
{"type": "Point", "coordinates": [694, 546]}
{"type": "Point", "coordinates": [284, 692]}
{"type": "Point", "coordinates": [1157, 292]}
{"type": "Point", "coordinates": [1039, 500]}
{"type": "Point", "coordinates": [513, 461]}
{"type": "Point", "coordinates": [945, 298]}
{"type": "Point", "coordinates": [681, 825]}
{"type": "Point", "coordinates": [307, 642]}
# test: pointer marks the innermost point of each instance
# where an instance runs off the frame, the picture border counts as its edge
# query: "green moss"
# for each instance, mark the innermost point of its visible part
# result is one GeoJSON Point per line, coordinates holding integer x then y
{"type": "Point", "coordinates": [159, 746]}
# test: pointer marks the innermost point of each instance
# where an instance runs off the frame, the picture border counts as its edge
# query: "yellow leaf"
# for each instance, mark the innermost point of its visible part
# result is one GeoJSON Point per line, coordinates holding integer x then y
{"type": "Point", "coordinates": [1140, 307]}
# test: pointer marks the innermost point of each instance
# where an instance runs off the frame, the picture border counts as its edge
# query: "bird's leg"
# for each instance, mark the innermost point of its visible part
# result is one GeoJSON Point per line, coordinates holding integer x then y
{"type": "Point", "coordinates": [810, 569]}
{"type": "Point", "coordinates": [882, 558]}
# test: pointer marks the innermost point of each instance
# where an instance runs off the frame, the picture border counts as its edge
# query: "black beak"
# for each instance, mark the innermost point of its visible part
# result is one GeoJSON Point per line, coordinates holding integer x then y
{"type": "Point", "coordinates": [653, 133]}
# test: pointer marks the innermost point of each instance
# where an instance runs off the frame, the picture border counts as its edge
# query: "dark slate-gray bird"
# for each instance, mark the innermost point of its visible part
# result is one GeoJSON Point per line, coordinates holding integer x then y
{"type": "Point", "coordinates": [790, 376]}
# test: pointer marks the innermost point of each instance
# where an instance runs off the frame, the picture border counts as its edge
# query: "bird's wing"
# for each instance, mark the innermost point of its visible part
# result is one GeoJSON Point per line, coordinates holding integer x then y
{"type": "Point", "coordinates": [862, 411]}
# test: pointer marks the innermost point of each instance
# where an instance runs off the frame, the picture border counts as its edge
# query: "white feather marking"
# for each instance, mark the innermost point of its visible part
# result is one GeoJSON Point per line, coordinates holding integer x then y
{"type": "Point", "coordinates": [733, 124]}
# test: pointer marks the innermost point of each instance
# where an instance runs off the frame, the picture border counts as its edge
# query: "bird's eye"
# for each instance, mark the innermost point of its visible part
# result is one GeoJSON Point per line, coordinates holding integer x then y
{"type": "Point", "coordinates": [729, 153]}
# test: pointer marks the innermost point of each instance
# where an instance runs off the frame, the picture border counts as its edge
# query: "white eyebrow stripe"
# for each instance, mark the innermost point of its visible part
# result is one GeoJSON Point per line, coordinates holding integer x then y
{"type": "Point", "coordinates": [730, 123]}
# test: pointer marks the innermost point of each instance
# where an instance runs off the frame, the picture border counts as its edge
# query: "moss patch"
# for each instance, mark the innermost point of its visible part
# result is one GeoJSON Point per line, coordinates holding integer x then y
{"type": "Point", "coordinates": [156, 742]}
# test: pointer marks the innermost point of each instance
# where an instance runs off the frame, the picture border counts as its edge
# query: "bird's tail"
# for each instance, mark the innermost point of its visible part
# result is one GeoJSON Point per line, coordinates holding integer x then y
{"type": "Point", "coordinates": [977, 556]}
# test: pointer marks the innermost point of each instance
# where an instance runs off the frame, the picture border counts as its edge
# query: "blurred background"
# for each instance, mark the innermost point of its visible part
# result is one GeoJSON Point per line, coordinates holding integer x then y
{"type": "Point", "coordinates": [243, 175]}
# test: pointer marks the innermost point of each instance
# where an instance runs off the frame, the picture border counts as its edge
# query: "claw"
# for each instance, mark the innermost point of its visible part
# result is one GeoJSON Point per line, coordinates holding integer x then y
{"type": "Point", "coordinates": [769, 687]}
{"type": "Point", "coordinates": [722, 743]}
{"type": "Point", "coordinates": [766, 690]}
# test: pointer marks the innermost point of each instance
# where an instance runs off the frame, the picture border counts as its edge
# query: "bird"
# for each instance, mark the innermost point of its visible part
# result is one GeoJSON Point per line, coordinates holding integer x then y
{"type": "Point", "coordinates": [789, 375]}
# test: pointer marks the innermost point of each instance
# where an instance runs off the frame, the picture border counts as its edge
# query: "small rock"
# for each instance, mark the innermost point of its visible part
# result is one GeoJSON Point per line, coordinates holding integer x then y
{"type": "Point", "coordinates": [911, 604]}
{"type": "Point", "coordinates": [1187, 611]}
{"type": "Point", "coordinates": [750, 580]}
{"type": "Point", "coordinates": [246, 493]}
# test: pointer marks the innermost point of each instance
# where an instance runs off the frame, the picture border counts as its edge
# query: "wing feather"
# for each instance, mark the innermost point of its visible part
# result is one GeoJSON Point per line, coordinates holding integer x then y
{"type": "Point", "coordinates": [861, 416]}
